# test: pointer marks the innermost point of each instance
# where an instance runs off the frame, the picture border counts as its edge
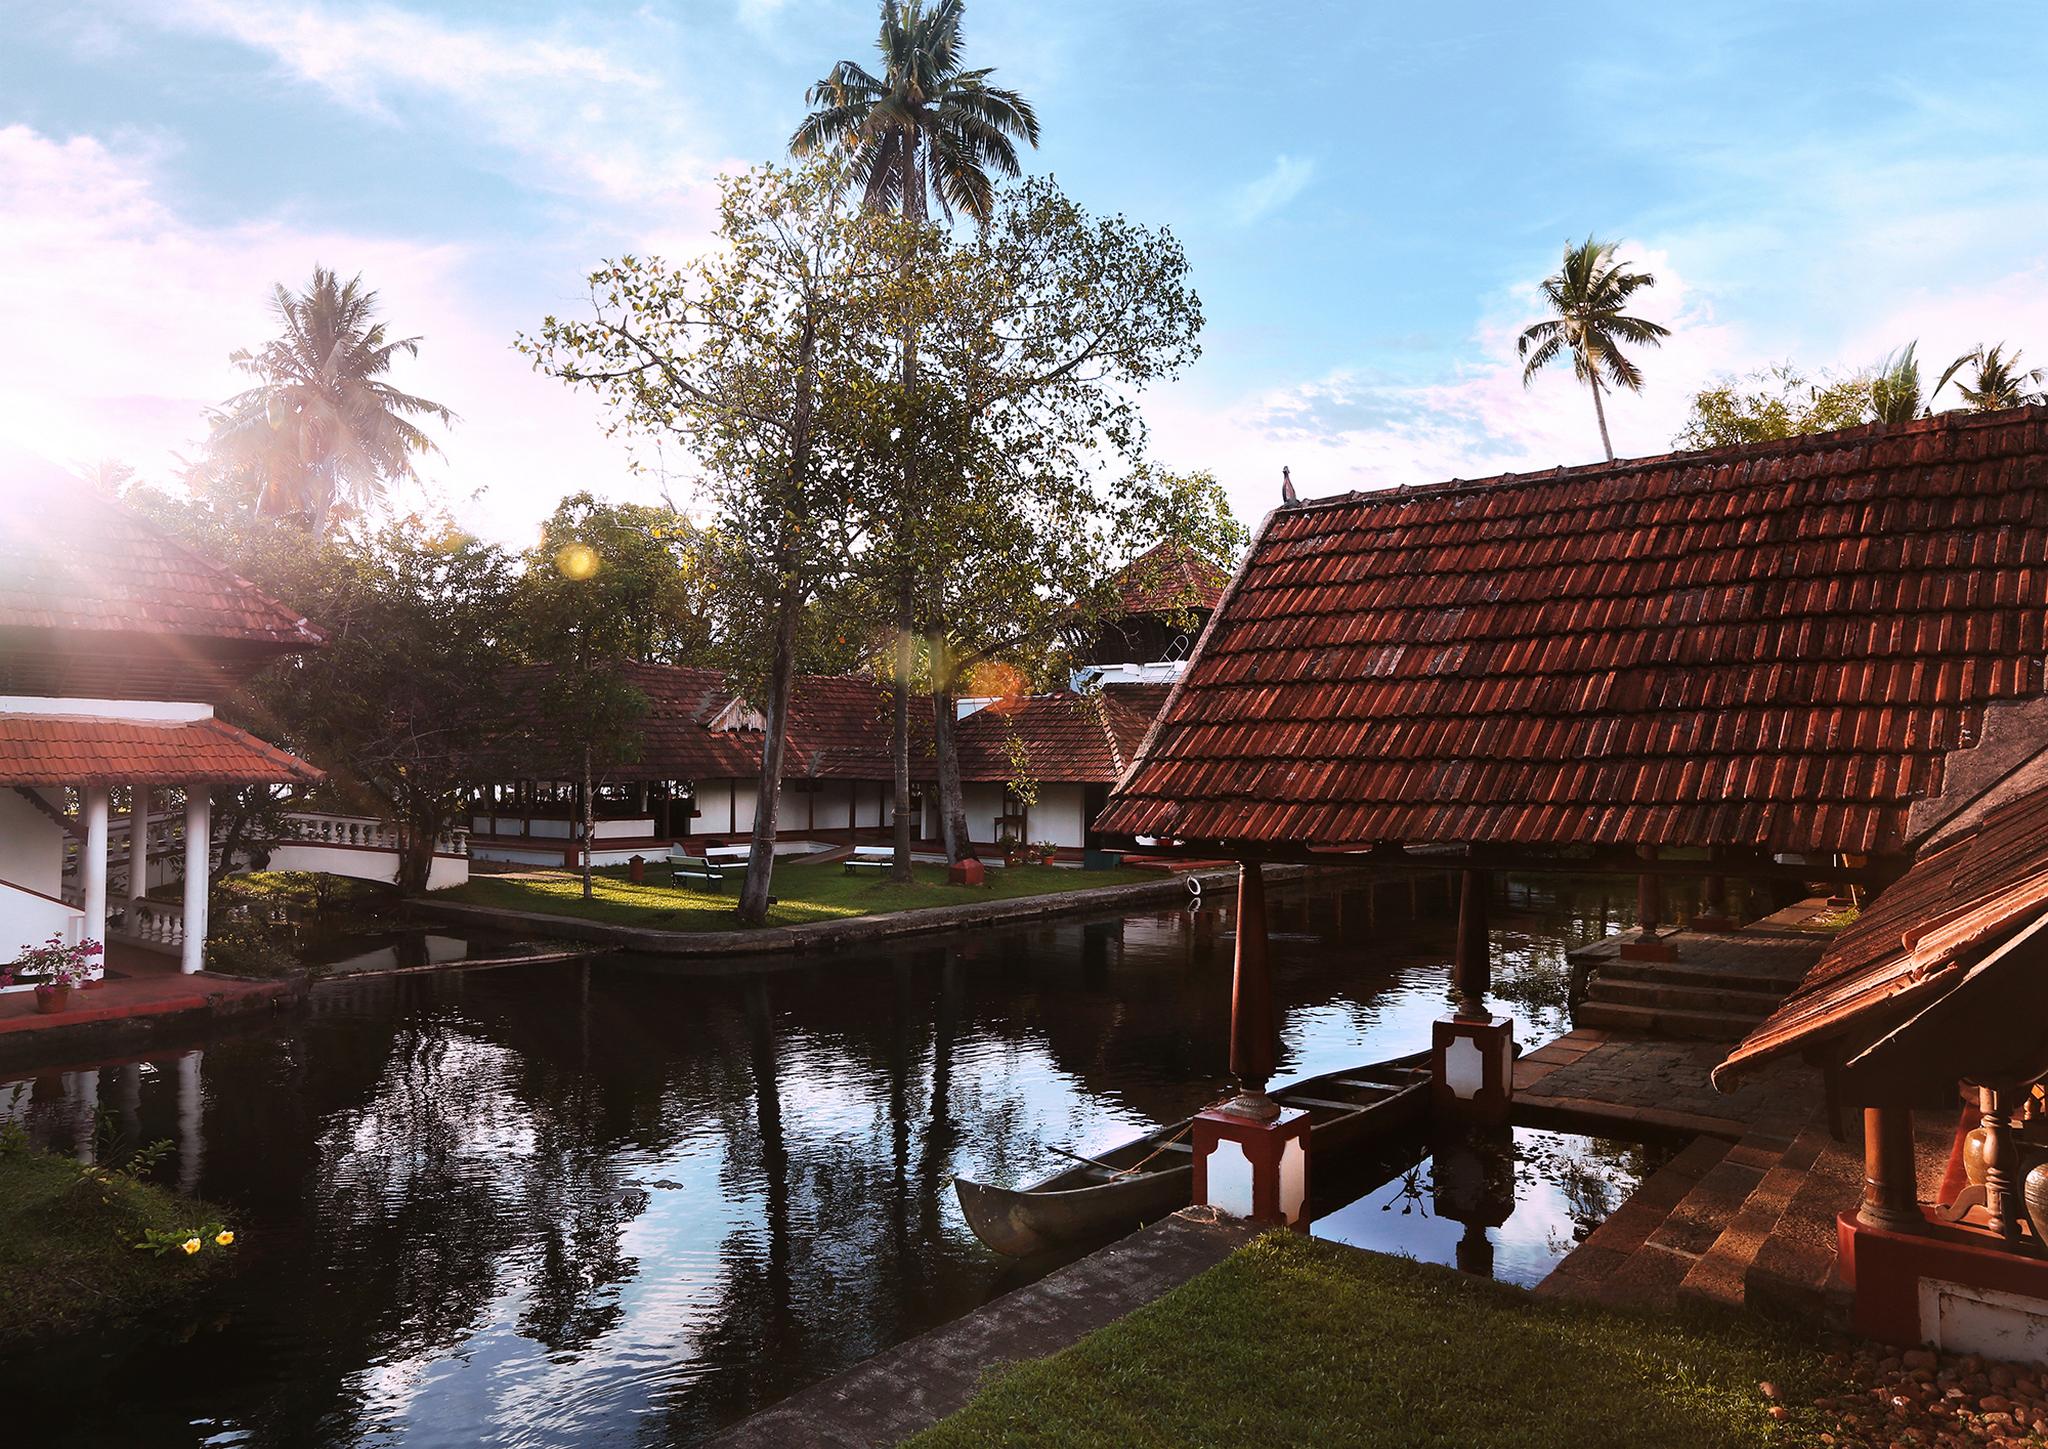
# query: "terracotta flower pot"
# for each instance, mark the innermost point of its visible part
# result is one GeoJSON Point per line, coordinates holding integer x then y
{"type": "Point", "coordinates": [51, 999]}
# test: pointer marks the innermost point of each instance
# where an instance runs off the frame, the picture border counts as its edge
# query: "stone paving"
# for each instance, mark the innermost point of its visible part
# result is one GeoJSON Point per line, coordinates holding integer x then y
{"type": "Point", "coordinates": [1617, 1084]}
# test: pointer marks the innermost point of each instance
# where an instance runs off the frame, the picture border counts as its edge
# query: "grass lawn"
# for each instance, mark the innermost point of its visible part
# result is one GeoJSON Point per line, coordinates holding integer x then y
{"type": "Point", "coordinates": [803, 893]}
{"type": "Point", "coordinates": [1295, 1341]}
{"type": "Point", "coordinates": [68, 1255]}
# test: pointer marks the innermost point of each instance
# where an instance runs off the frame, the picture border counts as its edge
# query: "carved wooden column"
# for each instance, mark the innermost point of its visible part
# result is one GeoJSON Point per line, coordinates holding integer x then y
{"type": "Point", "coordinates": [2002, 1205]}
{"type": "Point", "coordinates": [1253, 1036]}
{"type": "Point", "coordinates": [1472, 968]}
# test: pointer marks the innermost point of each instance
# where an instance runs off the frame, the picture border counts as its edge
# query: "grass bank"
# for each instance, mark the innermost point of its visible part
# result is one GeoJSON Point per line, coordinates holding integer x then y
{"type": "Point", "coordinates": [803, 893]}
{"type": "Point", "coordinates": [68, 1256]}
{"type": "Point", "coordinates": [1293, 1341]}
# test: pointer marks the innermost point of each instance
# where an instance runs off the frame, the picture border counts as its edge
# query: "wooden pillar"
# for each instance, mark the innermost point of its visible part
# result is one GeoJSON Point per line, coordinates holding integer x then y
{"type": "Point", "coordinates": [1254, 1040]}
{"type": "Point", "coordinates": [1472, 968]}
{"type": "Point", "coordinates": [2002, 1203]}
{"type": "Point", "coordinates": [1649, 916]}
{"type": "Point", "coordinates": [1888, 1180]}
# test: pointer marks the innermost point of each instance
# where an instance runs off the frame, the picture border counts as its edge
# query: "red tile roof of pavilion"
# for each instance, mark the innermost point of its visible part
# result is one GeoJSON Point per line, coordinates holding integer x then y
{"type": "Point", "coordinates": [1764, 646]}
{"type": "Point", "coordinates": [1917, 937]}
{"type": "Point", "coordinates": [1168, 577]}
{"type": "Point", "coordinates": [71, 560]}
{"type": "Point", "coordinates": [48, 750]}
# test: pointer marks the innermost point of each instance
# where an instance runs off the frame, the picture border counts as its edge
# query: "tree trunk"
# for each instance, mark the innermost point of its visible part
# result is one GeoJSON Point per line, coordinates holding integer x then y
{"type": "Point", "coordinates": [1600, 412]}
{"type": "Point", "coordinates": [589, 818]}
{"type": "Point", "coordinates": [899, 728]}
{"type": "Point", "coordinates": [946, 746]}
{"type": "Point", "coordinates": [753, 908]}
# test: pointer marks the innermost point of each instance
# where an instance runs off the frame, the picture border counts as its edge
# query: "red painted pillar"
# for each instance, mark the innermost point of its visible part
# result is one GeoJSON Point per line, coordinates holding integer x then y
{"type": "Point", "coordinates": [1649, 915]}
{"type": "Point", "coordinates": [1251, 1155]}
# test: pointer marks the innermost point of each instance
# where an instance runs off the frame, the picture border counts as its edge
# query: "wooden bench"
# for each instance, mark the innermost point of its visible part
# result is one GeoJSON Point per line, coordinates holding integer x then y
{"type": "Point", "coordinates": [712, 867]}
{"type": "Point", "coordinates": [871, 857]}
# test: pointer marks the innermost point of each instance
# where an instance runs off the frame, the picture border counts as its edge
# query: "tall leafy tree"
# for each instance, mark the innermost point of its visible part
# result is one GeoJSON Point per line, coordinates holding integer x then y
{"type": "Point", "coordinates": [323, 429]}
{"type": "Point", "coordinates": [1588, 292]}
{"type": "Point", "coordinates": [926, 130]}
{"type": "Point", "coordinates": [765, 359]}
{"type": "Point", "coordinates": [1995, 379]}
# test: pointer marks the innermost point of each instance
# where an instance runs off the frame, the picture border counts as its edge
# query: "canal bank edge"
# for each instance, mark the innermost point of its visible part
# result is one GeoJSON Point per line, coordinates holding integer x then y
{"type": "Point", "coordinates": [826, 936]}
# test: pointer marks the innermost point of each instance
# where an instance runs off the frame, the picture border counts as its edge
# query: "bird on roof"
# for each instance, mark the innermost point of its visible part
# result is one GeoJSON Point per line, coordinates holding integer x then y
{"type": "Point", "coordinates": [1287, 493]}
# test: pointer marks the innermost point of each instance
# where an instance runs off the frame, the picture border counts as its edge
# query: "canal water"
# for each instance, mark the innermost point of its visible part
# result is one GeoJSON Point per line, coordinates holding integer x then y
{"type": "Point", "coordinates": [620, 1204]}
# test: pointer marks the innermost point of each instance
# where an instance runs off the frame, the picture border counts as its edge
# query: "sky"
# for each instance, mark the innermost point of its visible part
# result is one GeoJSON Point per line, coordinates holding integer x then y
{"type": "Point", "coordinates": [1368, 194]}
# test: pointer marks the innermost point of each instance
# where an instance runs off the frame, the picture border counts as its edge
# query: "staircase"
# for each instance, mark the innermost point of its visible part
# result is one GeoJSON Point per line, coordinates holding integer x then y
{"type": "Point", "coordinates": [1747, 1224]}
{"type": "Point", "coordinates": [1721, 985]}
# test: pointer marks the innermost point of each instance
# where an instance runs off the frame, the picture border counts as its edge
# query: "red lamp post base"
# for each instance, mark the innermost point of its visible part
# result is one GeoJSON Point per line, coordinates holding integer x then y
{"type": "Point", "coordinates": [1253, 1169]}
{"type": "Point", "coordinates": [1472, 1069]}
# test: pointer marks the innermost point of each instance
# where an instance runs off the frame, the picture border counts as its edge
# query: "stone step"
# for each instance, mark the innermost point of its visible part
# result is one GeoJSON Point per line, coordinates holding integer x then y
{"type": "Point", "coordinates": [1719, 1275]}
{"type": "Point", "coordinates": [1690, 996]}
{"type": "Point", "coordinates": [1618, 1263]}
{"type": "Point", "coordinates": [1793, 1272]}
{"type": "Point", "coordinates": [1678, 973]}
{"type": "Point", "coordinates": [1664, 1021]}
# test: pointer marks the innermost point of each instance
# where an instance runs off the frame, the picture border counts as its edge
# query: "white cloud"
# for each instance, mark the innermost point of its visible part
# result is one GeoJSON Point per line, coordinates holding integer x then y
{"type": "Point", "coordinates": [580, 114]}
{"type": "Point", "coordinates": [1283, 181]}
{"type": "Point", "coordinates": [1349, 428]}
{"type": "Point", "coordinates": [127, 310]}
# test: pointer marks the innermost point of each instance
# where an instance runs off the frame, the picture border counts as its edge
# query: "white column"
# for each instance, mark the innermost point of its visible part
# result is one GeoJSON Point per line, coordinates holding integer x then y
{"type": "Point", "coordinates": [191, 1112]}
{"type": "Point", "coordinates": [92, 862]}
{"type": "Point", "coordinates": [138, 842]}
{"type": "Point", "coordinates": [198, 861]}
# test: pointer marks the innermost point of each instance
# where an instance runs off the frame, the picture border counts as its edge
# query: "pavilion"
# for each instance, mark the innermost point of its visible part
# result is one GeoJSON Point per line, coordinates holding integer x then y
{"type": "Point", "coordinates": [1791, 660]}
{"type": "Point", "coordinates": [116, 643]}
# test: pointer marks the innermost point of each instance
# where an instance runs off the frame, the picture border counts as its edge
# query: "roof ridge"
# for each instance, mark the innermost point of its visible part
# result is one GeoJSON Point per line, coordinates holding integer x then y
{"type": "Point", "coordinates": [1951, 421]}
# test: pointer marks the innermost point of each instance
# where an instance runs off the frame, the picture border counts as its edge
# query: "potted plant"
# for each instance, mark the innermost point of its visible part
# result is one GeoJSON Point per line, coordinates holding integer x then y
{"type": "Point", "coordinates": [56, 968]}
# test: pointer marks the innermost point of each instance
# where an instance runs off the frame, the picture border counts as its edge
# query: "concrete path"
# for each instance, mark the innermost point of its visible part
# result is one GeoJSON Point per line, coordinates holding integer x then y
{"type": "Point", "coordinates": [914, 1385]}
{"type": "Point", "coordinates": [1592, 1080]}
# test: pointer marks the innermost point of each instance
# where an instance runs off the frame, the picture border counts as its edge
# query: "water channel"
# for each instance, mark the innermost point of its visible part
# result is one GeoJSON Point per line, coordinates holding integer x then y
{"type": "Point", "coordinates": [619, 1204]}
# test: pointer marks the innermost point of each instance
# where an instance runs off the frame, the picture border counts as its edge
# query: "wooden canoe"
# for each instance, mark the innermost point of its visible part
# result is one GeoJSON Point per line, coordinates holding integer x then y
{"type": "Point", "coordinates": [1150, 1176]}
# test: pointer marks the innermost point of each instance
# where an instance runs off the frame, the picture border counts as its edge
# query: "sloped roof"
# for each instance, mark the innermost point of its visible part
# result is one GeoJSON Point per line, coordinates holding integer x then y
{"type": "Point", "coordinates": [1066, 738]}
{"type": "Point", "coordinates": [52, 750]}
{"type": "Point", "coordinates": [1917, 938]}
{"type": "Point", "coordinates": [73, 561]}
{"type": "Point", "coordinates": [1168, 577]}
{"type": "Point", "coordinates": [1763, 646]}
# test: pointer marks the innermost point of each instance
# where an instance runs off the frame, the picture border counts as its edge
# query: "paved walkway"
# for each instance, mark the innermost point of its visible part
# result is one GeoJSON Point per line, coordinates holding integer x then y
{"type": "Point", "coordinates": [144, 991]}
{"type": "Point", "coordinates": [1592, 1080]}
{"type": "Point", "coordinates": [914, 1385]}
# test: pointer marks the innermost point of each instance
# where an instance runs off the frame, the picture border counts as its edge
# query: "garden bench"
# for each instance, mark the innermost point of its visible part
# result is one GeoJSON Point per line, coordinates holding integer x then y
{"type": "Point", "coordinates": [711, 867]}
{"type": "Point", "coordinates": [870, 857]}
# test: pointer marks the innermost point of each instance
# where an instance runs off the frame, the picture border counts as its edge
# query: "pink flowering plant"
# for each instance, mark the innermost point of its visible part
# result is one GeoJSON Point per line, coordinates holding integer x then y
{"type": "Point", "coordinates": [54, 963]}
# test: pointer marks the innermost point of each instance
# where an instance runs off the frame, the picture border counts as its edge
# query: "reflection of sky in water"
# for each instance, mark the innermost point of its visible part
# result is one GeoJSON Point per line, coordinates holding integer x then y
{"type": "Point", "coordinates": [1551, 1189]}
{"type": "Point", "coordinates": [624, 1207]}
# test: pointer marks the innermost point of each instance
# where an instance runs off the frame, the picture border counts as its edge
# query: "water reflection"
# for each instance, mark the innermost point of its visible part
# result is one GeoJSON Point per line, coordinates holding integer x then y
{"type": "Point", "coordinates": [622, 1205]}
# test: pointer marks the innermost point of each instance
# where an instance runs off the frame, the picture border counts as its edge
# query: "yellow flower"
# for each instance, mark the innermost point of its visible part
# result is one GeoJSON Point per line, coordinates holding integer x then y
{"type": "Point", "coordinates": [224, 1238]}
{"type": "Point", "coordinates": [191, 1245]}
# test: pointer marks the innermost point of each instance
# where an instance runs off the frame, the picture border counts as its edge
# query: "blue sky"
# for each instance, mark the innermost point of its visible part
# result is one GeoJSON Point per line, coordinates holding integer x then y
{"type": "Point", "coordinates": [1367, 194]}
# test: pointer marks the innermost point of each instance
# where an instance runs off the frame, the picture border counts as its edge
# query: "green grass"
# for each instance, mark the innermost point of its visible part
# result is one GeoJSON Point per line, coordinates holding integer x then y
{"type": "Point", "coordinates": [1294, 1341]}
{"type": "Point", "coordinates": [803, 893]}
{"type": "Point", "coordinates": [68, 1256]}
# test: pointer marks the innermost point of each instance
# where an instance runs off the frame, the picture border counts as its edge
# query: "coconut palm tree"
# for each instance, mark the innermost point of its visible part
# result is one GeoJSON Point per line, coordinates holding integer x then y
{"type": "Point", "coordinates": [1588, 292]}
{"type": "Point", "coordinates": [2000, 382]}
{"type": "Point", "coordinates": [925, 131]}
{"type": "Point", "coordinates": [925, 127]}
{"type": "Point", "coordinates": [321, 430]}
{"type": "Point", "coordinates": [1895, 387]}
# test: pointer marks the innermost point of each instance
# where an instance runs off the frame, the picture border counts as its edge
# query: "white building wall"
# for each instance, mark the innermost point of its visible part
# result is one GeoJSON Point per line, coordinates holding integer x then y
{"type": "Point", "coordinates": [31, 845]}
{"type": "Point", "coordinates": [1059, 816]}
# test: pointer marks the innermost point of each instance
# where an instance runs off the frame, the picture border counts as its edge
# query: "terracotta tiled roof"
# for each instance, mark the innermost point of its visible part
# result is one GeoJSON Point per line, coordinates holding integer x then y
{"type": "Point", "coordinates": [1067, 738]}
{"type": "Point", "coordinates": [1917, 937]}
{"type": "Point", "coordinates": [1766, 646]}
{"type": "Point", "coordinates": [73, 561]}
{"type": "Point", "coordinates": [52, 750]}
{"type": "Point", "coordinates": [1169, 577]}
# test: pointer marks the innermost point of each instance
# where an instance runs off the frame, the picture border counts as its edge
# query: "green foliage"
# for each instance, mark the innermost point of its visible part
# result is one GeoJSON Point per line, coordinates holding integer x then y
{"type": "Point", "coordinates": [1587, 294]}
{"type": "Point", "coordinates": [1995, 379]}
{"type": "Point", "coordinates": [322, 432]}
{"type": "Point", "coordinates": [1895, 388]}
{"type": "Point", "coordinates": [67, 1259]}
{"type": "Point", "coordinates": [1294, 1341]}
{"type": "Point", "coordinates": [188, 1240]}
{"type": "Point", "coordinates": [629, 580]}
{"type": "Point", "coordinates": [1780, 402]}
